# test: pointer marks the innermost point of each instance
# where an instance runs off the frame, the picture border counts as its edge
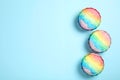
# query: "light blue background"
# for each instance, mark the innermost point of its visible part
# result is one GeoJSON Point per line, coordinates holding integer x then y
{"type": "Point", "coordinates": [39, 39]}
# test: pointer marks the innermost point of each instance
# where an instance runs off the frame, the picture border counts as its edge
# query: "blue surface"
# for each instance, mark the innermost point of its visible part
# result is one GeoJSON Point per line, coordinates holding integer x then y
{"type": "Point", "coordinates": [39, 39]}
